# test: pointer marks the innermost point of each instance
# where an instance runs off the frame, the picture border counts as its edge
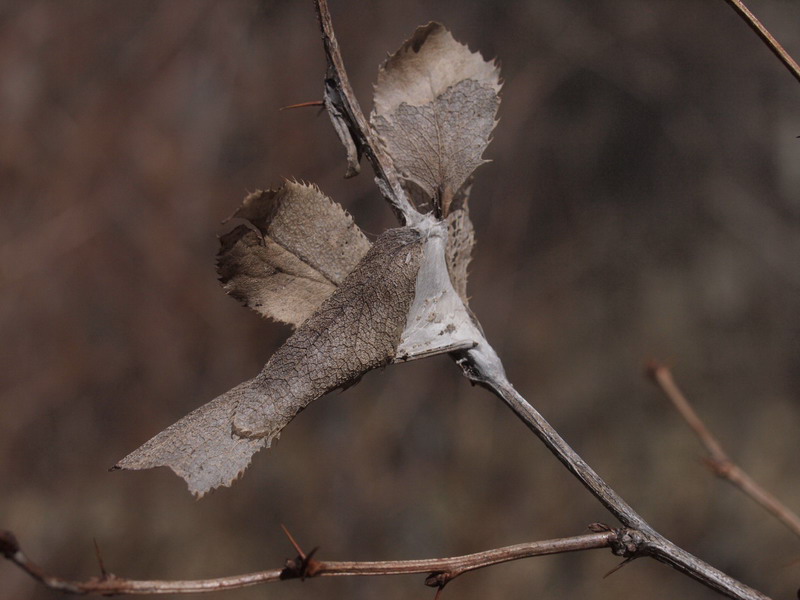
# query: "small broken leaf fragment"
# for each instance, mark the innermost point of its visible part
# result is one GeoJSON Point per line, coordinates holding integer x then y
{"type": "Point", "coordinates": [356, 328]}
{"type": "Point", "coordinates": [200, 447]}
{"type": "Point", "coordinates": [297, 249]}
{"type": "Point", "coordinates": [434, 112]}
{"type": "Point", "coordinates": [460, 241]}
{"type": "Point", "coordinates": [334, 104]}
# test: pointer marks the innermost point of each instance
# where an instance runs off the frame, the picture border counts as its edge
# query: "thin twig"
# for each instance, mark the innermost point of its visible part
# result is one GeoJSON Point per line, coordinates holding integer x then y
{"type": "Point", "coordinates": [446, 569]}
{"type": "Point", "coordinates": [482, 366]}
{"type": "Point", "coordinates": [773, 44]}
{"type": "Point", "coordinates": [351, 125]}
{"type": "Point", "coordinates": [718, 460]}
{"type": "Point", "coordinates": [440, 571]}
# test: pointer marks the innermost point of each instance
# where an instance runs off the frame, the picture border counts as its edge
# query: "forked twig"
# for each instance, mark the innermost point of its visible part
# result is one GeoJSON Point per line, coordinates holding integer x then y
{"type": "Point", "coordinates": [718, 460]}
{"type": "Point", "coordinates": [482, 366]}
{"type": "Point", "coordinates": [773, 44]}
{"type": "Point", "coordinates": [440, 571]}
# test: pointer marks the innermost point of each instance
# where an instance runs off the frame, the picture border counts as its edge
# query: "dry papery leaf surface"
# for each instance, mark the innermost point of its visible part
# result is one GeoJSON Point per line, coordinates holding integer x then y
{"type": "Point", "coordinates": [460, 241]}
{"type": "Point", "coordinates": [298, 258]}
{"type": "Point", "coordinates": [355, 329]}
{"type": "Point", "coordinates": [434, 112]}
{"type": "Point", "coordinates": [295, 249]}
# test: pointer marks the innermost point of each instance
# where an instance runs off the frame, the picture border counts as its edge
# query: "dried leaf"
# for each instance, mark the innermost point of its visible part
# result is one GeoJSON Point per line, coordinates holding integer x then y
{"type": "Point", "coordinates": [460, 242]}
{"type": "Point", "coordinates": [335, 106]}
{"type": "Point", "coordinates": [302, 247]}
{"type": "Point", "coordinates": [201, 447]}
{"type": "Point", "coordinates": [435, 107]}
{"type": "Point", "coordinates": [356, 329]}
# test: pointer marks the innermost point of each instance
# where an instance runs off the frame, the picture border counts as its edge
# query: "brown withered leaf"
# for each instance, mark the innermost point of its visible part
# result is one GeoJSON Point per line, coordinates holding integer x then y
{"type": "Point", "coordinates": [357, 328]}
{"type": "Point", "coordinates": [460, 241]}
{"type": "Point", "coordinates": [435, 107]}
{"type": "Point", "coordinates": [335, 105]}
{"type": "Point", "coordinates": [299, 247]}
{"type": "Point", "coordinates": [200, 447]}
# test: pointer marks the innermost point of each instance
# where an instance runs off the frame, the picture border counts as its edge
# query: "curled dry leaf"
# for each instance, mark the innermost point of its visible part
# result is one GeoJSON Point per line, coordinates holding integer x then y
{"type": "Point", "coordinates": [297, 248]}
{"type": "Point", "coordinates": [460, 241]}
{"type": "Point", "coordinates": [435, 107]}
{"type": "Point", "coordinates": [335, 105]}
{"type": "Point", "coordinates": [200, 447]}
{"type": "Point", "coordinates": [357, 328]}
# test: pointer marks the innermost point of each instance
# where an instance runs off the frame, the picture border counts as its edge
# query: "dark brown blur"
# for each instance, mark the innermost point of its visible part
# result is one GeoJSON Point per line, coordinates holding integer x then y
{"type": "Point", "coordinates": [643, 202]}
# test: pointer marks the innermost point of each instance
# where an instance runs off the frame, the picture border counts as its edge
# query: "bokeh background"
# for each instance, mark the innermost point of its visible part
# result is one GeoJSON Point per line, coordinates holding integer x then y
{"type": "Point", "coordinates": [643, 202]}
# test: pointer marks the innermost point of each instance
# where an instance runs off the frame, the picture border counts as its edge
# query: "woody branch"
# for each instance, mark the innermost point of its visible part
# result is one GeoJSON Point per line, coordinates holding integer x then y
{"type": "Point", "coordinates": [623, 542]}
{"type": "Point", "coordinates": [718, 459]}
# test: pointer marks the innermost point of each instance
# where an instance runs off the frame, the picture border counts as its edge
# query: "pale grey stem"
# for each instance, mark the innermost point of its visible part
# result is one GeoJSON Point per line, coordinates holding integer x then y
{"type": "Point", "coordinates": [482, 365]}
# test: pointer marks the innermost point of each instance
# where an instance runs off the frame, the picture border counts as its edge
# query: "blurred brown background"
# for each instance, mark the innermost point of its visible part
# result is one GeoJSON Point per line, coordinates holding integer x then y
{"type": "Point", "coordinates": [644, 201]}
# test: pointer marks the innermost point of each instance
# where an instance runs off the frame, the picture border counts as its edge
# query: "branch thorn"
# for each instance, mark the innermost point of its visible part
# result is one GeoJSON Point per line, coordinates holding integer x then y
{"type": "Point", "coordinates": [294, 543]}
{"type": "Point", "coordinates": [620, 565]}
{"type": "Point", "coordinates": [304, 565]}
{"type": "Point", "coordinates": [438, 594]}
{"type": "Point", "coordinates": [320, 103]}
{"type": "Point", "coordinates": [103, 571]}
